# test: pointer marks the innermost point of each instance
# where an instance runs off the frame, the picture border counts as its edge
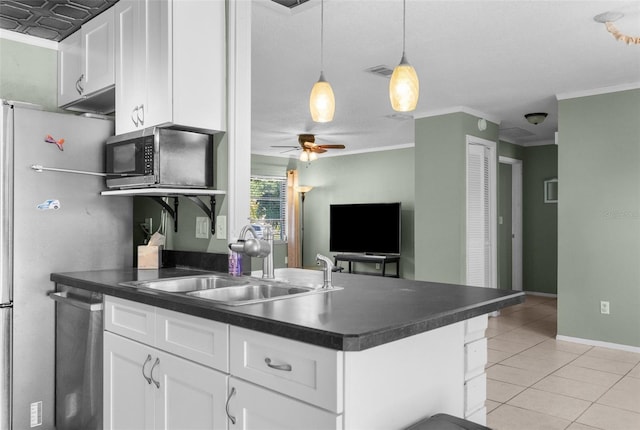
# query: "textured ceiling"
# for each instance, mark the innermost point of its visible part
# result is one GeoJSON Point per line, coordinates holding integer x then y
{"type": "Point", "coordinates": [49, 19]}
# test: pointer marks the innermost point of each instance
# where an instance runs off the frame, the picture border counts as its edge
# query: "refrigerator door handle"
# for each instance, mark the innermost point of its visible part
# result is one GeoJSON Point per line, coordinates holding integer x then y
{"type": "Point", "coordinates": [62, 297]}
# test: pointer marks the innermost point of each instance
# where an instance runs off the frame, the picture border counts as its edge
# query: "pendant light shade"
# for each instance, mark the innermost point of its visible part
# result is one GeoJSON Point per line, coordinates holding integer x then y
{"type": "Point", "coordinates": [404, 87]}
{"type": "Point", "coordinates": [322, 103]}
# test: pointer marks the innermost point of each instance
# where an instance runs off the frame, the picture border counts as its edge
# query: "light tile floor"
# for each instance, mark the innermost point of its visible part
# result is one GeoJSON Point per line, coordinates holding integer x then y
{"type": "Point", "coordinates": [537, 382]}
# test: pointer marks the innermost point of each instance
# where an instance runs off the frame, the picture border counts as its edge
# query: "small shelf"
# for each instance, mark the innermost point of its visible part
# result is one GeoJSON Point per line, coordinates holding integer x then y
{"type": "Point", "coordinates": [192, 194]}
{"type": "Point", "coordinates": [163, 192]}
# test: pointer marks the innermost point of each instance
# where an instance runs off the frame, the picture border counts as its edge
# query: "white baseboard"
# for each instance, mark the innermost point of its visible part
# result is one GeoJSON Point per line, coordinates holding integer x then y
{"type": "Point", "coordinates": [592, 342]}
{"type": "Point", "coordinates": [534, 293]}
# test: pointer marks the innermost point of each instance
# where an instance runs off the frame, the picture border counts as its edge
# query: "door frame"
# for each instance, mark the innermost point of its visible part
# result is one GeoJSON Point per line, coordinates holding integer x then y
{"type": "Point", "coordinates": [516, 221]}
{"type": "Point", "coordinates": [493, 199]}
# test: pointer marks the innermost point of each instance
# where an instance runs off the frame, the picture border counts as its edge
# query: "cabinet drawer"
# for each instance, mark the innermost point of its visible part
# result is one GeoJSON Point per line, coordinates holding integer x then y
{"type": "Point", "coordinates": [306, 372]}
{"type": "Point", "coordinates": [198, 339]}
{"type": "Point", "coordinates": [130, 319]}
{"type": "Point", "coordinates": [256, 408]}
{"type": "Point", "coordinates": [475, 358]}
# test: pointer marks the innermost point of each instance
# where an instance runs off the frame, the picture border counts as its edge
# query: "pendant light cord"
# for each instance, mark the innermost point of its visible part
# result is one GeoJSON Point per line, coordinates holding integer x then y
{"type": "Point", "coordinates": [404, 23]}
{"type": "Point", "coordinates": [321, 36]}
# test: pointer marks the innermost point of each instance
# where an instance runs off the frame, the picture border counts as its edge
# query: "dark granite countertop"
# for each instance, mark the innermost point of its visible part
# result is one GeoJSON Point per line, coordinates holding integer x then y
{"type": "Point", "coordinates": [368, 311]}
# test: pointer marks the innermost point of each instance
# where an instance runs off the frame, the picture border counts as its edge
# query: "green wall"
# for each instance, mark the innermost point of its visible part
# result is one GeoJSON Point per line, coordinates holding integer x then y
{"type": "Point", "coordinates": [29, 74]}
{"type": "Point", "coordinates": [540, 221]}
{"type": "Point", "coordinates": [599, 217]}
{"type": "Point", "coordinates": [440, 194]}
{"type": "Point", "coordinates": [385, 176]}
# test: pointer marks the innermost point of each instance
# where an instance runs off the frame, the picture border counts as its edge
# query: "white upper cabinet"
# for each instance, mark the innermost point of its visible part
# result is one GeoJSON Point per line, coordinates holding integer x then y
{"type": "Point", "coordinates": [170, 64]}
{"type": "Point", "coordinates": [86, 66]}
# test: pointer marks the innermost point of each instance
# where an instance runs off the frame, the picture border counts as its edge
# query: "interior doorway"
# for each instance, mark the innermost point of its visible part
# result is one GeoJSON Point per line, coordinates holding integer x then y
{"type": "Point", "coordinates": [510, 224]}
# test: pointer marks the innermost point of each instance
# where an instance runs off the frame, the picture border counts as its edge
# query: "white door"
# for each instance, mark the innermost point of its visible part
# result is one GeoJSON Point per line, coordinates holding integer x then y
{"type": "Point", "coordinates": [69, 69]}
{"type": "Point", "coordinates": [128, 395]}
{"type": "Point", "coordinates": [256, 408]}
{"type": "Point", "coordinates": [130, 65]}
{"type": "Point", "coordinates": [481, 213]}
{"type": "Point", "coordinates": [189, 396]}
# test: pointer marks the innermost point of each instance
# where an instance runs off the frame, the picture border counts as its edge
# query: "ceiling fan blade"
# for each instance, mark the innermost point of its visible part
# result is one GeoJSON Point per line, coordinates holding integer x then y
{"type": "Point", "coordinates": [317, 149]}
{"type": "Point", "coordinates": [285, 146]}
{"type": "Point", "coordinates": [332, 146]}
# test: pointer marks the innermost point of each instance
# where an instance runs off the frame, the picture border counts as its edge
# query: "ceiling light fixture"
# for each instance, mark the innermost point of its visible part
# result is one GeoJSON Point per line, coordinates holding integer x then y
{"type": "Point", "coordinates": [404, 87]}
{"type": "Point", "coordinates": [322, 103]}
{"type": "Point", "coordinates": [607, 19]}
{"type": "Point", "coordinates": [308, 156]}
{"type": "Point", "coordinates": [536, 118]}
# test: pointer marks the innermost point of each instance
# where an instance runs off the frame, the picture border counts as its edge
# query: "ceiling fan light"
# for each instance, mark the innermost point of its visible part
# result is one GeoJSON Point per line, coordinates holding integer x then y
{"type": "Point", "coordinates": [313, 156]}
{"type": "Point", "coordinates": [322, 103]}
{"type": "Point", "coordinates": [304, 156]}
{"type": "Point", "coordinates": [404, 87]}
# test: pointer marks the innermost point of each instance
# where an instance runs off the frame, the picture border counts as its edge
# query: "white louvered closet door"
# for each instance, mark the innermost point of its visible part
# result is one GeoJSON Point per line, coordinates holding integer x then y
{"type": "Point", "coordinates": [479, 234]}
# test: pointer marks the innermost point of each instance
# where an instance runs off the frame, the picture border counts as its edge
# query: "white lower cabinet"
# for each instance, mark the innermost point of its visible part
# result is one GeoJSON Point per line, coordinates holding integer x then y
{"type": "Point", "coordinates": [146, 388]}
{"type": "Point", "coordinates": [251, 407]}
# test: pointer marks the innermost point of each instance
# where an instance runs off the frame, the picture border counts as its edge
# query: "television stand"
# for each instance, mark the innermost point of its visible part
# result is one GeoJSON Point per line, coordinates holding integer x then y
{"type": "Point", "coordinates": [383, 260]}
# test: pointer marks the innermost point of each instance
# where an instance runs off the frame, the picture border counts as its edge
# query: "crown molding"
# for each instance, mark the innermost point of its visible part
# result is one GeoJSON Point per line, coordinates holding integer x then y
{"type": "Point", "coordinates": [29, 40]}
{"type": "Point", "coordinates": [457, 109]}
{"type": "Point", "coordinates": [598, 91]}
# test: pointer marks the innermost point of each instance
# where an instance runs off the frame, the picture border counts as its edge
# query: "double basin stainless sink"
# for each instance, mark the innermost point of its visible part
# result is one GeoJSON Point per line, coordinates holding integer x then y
{"type": "Point", "coordinates": [230, 290]}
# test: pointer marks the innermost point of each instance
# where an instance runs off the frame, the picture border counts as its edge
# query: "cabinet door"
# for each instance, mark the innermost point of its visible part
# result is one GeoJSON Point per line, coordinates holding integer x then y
{"type": "Point", "coordinates": [158, 108]}
{"type": "Point", "coordinates": [98, 41]}
{"type": "Point", "coordinates": [69, 68]}
{"type": "Point", "coordinates": [130, 65]}
{"type": "Point", "coordinates": [128, 395]}
{"type": "Point", "coordinates": [189, 396]}
{"type": "Point", "coordinates": [256, 408]}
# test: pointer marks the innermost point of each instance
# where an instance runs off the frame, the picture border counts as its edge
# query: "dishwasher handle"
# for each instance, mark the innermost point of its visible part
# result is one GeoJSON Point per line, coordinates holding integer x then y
{"type": "Point", "coordinates": [63, 297]}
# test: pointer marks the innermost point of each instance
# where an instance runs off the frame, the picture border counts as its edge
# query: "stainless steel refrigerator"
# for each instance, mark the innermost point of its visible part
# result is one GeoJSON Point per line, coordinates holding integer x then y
{"type": "Point", "coordinates": [51, 221]}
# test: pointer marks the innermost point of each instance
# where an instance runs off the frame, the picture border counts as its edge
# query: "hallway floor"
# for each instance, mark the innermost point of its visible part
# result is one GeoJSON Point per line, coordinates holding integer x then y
{"type": "Point", "coordinates": [537, 382]}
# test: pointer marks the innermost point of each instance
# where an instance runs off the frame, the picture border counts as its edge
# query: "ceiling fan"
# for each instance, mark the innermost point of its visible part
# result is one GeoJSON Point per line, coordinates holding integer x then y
{"type": "Point", "coordinates": [309, 147]}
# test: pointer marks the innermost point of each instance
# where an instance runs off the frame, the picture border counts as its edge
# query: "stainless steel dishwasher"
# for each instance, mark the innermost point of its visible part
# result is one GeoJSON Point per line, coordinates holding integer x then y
{"type": "Point", "coordinates": [79, 324]}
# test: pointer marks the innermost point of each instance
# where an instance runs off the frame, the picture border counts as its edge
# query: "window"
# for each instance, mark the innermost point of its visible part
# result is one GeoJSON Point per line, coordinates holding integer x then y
{"type": "Point", "coordinates": [269, 203]}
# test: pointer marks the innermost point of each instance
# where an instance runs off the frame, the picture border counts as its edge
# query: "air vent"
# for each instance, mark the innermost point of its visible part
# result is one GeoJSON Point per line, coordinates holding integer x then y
{"type": "Point", "coordinates": [399, 116]}
{"type": "Point", "coordinates": [382, 70]}
{"type": "Point", "coordinates": [290, 3]}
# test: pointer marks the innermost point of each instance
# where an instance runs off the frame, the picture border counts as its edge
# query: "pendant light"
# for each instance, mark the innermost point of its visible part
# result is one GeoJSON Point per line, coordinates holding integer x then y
{"type": "Point", "coordinates": [404, 87]}
{"type": "Point", "coordinates": [322, 104]}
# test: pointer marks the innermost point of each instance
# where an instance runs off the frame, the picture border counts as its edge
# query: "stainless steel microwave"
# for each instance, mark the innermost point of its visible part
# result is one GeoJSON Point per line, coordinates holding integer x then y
{"type": "Point", "coordinates": [160, 157]}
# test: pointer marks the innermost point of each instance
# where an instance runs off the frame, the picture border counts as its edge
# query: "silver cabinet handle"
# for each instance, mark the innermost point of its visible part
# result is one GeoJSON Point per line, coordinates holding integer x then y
{"type": "Point", "coordinates": [157, 383]}
{"type": "Point", "coordinates": [283, 367]}
{"type": "Point", "coordinates": [63, 297]}
{"type": "Point", "coordinates": [143, 366]}
{"type": "Point", "coordinates": [134, 116]}
{"type": "Point", "coordinates": [79, 88]}
{"type": "Point", "coordinates": [141, 111]}
{"type": "Point", "coordinates": [226, 406]}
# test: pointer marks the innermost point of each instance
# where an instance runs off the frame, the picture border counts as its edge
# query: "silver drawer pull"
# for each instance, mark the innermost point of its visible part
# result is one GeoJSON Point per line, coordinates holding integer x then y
{"type": "Point", "coordinates": [155, 381]}
{"type": "Point", "coordinates": [143, 366]}
{"type": "Point", "coordinates": [284, 367]}
{"type": "Point", "coordinates": [226, 406]}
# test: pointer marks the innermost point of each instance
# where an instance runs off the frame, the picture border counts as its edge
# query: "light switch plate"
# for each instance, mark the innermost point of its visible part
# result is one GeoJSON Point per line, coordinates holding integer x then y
{"type": "Point", "coordinates": [221, 227]}
{"type": "Point", "coordinates": [202, 227]}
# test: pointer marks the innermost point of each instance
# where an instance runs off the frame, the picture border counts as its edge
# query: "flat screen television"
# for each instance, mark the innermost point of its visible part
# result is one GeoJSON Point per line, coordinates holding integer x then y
{"type": "Point", "coordinates": [369, 228]}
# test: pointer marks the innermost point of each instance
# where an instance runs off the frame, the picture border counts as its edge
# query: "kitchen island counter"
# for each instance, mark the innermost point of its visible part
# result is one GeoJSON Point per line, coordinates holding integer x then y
{"type": "Point", "coordinates": [368, 311]}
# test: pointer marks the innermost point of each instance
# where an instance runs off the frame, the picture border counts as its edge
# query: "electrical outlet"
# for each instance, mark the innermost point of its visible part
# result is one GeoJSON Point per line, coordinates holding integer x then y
{"type": "Point", "coordinates": [221, 227]}
{"type": "Point", "coordinates": [202, 227]}
{"type": "Point", "coordinates": [604, 308]}
{"type": "Point", "coordinates": [377, 265]}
